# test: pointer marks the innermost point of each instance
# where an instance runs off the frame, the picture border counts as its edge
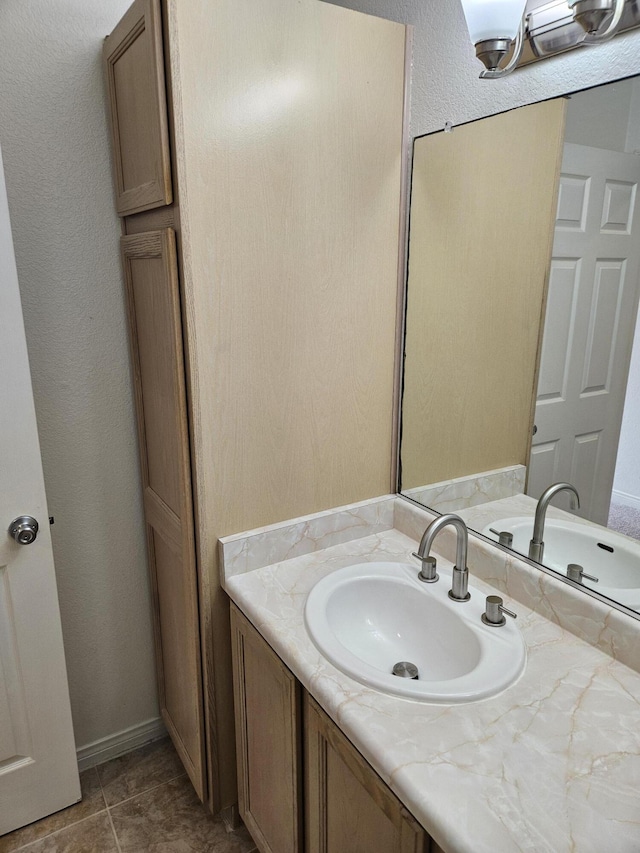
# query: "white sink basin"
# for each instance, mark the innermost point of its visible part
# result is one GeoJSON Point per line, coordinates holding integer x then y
{"type": "Point", "coordinates": [613, 559]}
{"type": "Point", "coordinates": [366, 618]}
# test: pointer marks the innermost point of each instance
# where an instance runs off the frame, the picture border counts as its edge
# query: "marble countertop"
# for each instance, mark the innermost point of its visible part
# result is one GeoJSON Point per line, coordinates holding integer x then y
{"type": "Point", "coordinates": [552, 764]}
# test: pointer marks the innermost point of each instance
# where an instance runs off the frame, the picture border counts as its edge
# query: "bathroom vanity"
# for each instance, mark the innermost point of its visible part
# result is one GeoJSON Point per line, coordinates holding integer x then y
{"type": "Point", "coordinates": [297, 769]}
{"type": "Point", "coordinates": [552, 763]}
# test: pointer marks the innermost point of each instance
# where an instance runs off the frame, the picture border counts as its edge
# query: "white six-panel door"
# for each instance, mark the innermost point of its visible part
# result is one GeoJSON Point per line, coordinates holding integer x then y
{"type": "Point", "coordinates": [38, 767]}
{"type": "Point", "coordinates": [588, 334]}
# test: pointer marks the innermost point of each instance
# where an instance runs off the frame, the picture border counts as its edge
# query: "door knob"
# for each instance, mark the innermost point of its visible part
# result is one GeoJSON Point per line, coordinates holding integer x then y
{"type": "Point", "coordinates": [24, 529]}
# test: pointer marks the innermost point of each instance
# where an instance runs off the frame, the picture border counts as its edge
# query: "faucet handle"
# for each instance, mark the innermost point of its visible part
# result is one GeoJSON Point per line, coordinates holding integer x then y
{"type": "Point", "coordinates": [428, 572]}
{"type": "Point", "coordinates": [575, 572]}
{"type": "Point", "coordinates": [493, 614]}
{"type": "Point", "coordinates": [504, 537]}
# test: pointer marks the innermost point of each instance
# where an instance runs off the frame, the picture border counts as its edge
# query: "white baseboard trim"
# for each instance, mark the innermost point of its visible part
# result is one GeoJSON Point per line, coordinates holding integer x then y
{"type": "Point", "coordinates": [117, 744]}
{"type": "Point", "coordinates": [625, 499]}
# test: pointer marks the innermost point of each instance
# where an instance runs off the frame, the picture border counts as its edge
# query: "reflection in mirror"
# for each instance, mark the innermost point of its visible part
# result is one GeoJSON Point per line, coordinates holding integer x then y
{"type": "Point", "coordinates": [521, 369]}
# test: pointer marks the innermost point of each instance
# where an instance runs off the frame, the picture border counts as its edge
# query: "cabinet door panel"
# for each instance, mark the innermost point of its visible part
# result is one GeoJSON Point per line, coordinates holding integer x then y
{"type": "Point", "coordinates": [268, 737]}
{"type": "Point", "coordinates": [158, 368]}
{"type": "Point", "coordinates": [134, 67]}
{"type": "Point", "coordinates": [348, 807]}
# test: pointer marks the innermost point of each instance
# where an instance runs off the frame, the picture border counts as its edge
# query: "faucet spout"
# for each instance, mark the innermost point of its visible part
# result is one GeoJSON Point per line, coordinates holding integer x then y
{"type": "Point", "coordinates": [536, 546]}
{"type": "Point", "coordinates": [460, 583]}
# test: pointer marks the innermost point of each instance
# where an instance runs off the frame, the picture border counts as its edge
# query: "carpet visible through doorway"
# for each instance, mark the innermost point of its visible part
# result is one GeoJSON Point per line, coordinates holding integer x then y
{"type": "Point", "coordinates": [624, 519]}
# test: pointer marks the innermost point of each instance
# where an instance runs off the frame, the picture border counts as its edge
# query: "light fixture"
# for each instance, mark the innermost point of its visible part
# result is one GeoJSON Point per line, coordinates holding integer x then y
{"type": "Point", "coordinates": [592, 15]}
{"type": "Point", "coordinates": [529, 30]}
{"type": "Point", "coordinates": [495, 27]}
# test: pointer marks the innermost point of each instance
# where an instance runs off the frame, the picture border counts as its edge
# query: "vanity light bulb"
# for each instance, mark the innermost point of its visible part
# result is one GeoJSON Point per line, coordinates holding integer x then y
{"type": "Point", "coordinates": [493, 19]}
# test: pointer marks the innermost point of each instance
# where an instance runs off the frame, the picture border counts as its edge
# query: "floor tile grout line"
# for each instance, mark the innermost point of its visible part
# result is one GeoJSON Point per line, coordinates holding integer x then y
{"type": "Point", "coordinates": [67, 825]}
{"type": "Point", "coordinates": [146, 791]}
{"type": "Point", "coordinates": [115, 834]}
{"type": "Point", "coordinates": [61, 829]}
{"type": "Point", "coordinates": [113, 829]}
{"type": "Point", "coordinates": [105, 807]}
{"type": "Point", "coordinates": [95, 767]}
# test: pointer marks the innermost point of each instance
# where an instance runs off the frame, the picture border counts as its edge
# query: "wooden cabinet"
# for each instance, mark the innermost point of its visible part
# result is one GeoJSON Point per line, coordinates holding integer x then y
{"type": "Point", "coordinates": [155, 330]}
{"type": "Point", "coordinates": [134, 66]}
{"type": "Point", "coordinates": [268, 731]}
{"type": "Point", "coordinates": [258, 152]}
{"type": "Point", "coordinates": [346, 805]}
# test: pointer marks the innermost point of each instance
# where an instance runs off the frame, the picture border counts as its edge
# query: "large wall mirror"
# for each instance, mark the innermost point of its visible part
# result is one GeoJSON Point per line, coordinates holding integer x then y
{"type": "Point", "coordinates": [522, 350]}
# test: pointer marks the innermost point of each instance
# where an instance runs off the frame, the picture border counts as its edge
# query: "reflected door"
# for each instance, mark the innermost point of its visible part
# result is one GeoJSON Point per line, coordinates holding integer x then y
{"type": "Point", "coordinates": [38, 767]}
{"type": "Point", "coordinates": [590, 320]}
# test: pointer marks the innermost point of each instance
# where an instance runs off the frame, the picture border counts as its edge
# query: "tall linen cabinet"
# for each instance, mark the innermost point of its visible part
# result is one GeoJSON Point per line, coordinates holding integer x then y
{"type": "Point", "coordinates": [258, 165]}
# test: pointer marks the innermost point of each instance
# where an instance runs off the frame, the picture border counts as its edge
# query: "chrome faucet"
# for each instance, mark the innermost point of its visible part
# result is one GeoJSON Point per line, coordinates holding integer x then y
{"type": "Point", "coordinates": [460, 581]}
{"type": "Point", "coordinates": [536, 546]}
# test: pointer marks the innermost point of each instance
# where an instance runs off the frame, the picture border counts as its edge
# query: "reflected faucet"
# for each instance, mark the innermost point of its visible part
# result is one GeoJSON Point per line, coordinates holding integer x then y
{"type": "Point", "coordinates": [536, 546]}
{"type": "Point", "coordinates": [460, 581]}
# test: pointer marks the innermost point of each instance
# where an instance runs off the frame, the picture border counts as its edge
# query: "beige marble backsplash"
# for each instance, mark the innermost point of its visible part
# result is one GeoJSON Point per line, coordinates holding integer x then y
{"type": "Point", "coordinates": [474, 490]}
{"type": "Point", "coordinates": [265, 546]}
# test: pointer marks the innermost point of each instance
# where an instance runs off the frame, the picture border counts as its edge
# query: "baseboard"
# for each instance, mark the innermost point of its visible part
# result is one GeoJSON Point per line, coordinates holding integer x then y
{"type": "Point", "coordinates": [117, 744]}
{"type": "Point", "coordinates": [625, 499]}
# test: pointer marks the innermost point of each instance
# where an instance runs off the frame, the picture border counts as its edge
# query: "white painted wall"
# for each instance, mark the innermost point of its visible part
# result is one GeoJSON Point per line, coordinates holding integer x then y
{"type": "Point", "coordinates": [633, 130]}
{"type": "Point", "coordinates": [53, 133]}
{"type": "Point", "coordinates": [445, 70]}
{"type": "Point", "coordinates": [600, 117]}
{"type": "Point", "coordinates": [626, 485]}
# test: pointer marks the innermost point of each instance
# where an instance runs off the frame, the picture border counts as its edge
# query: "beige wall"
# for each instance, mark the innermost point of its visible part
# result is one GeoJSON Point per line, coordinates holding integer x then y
{"type": "Point", "coordinates": [54, 139]}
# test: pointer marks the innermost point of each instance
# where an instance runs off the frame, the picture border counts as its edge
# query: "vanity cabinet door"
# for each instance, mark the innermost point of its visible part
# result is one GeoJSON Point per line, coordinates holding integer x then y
{"type": "Point", "coordinates": [268, 741]}
{"type": "Point", "coordinates": [348, 807]}
{"type": "Point", "coordinates": [134, 68]}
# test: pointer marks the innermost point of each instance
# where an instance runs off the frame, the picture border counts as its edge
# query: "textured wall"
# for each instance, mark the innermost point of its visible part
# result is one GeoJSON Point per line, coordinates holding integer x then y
{"type": "Point", "coordinates": [445, 71]}
{"type": "Point", "coordinates": [54, 139]}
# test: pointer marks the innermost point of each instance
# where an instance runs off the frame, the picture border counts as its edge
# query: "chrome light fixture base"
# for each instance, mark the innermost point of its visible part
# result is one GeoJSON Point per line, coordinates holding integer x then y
{"type": "Point", "coordinates": [591, 14]}
{"type": "Point", "coordinates": [602, 32]}
{"type": "Point", "coordinates": [491, 52]}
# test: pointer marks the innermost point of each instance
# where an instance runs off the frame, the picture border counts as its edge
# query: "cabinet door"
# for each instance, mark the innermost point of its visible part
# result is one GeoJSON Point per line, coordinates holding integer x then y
{"type": "Point", "coordinates": [348, 807]}
{"type": "Point", "coordinates": [268, 740]}
{"type": "Point", "coordinates": [134, 67]}
{"type": "Point", "coordinates": [158, 369]}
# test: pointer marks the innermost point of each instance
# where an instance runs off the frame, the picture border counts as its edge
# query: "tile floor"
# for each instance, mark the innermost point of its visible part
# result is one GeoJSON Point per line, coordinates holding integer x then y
{"type": "Point", "coordinates": [139, 803]}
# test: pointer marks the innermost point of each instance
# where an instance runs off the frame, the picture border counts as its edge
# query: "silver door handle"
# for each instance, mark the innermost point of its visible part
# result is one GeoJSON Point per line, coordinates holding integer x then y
{"type": "Point", "coordinates": [24, 529]}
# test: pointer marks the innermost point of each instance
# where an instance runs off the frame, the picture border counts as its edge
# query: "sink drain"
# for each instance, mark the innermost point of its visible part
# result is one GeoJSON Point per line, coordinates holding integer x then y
{"type": "Point", "coordinates": [405, 669]}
